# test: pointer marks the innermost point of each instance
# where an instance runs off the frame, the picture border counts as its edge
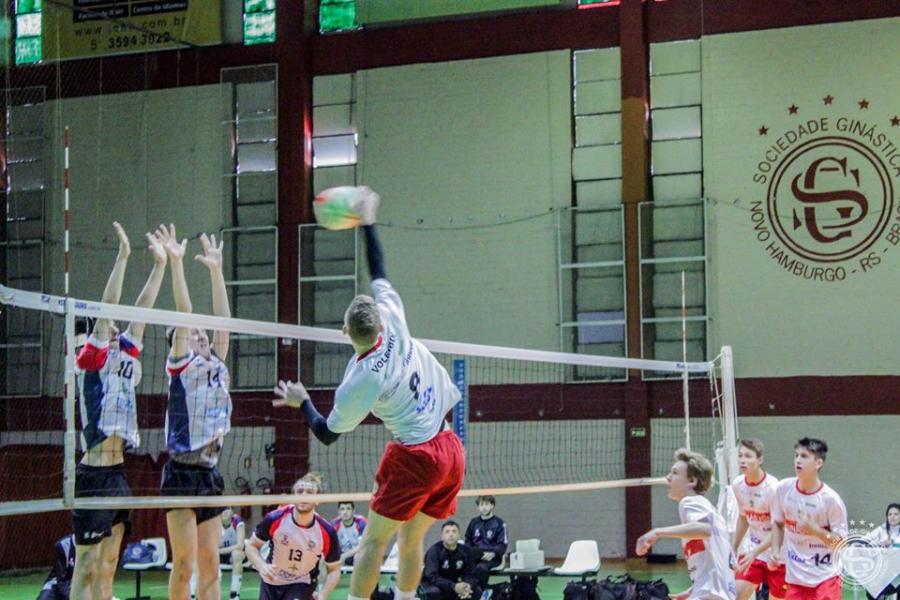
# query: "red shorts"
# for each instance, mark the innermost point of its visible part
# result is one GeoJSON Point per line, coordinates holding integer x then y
{"type": "Point", "coordinates": [830, 589]}
{"type": "Point", "coordinates": [758, 573]}
{"type": "Point", "coordinates": [421, 478]}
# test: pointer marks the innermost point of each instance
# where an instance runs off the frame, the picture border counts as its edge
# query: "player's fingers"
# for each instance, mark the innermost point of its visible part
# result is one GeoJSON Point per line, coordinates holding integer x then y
{"type": "Point", "coordinates": [212, 239]}
{"type": "Point", "coordinates": [279, 403]}
{"type": "Point", "coordinates": [204, 241]}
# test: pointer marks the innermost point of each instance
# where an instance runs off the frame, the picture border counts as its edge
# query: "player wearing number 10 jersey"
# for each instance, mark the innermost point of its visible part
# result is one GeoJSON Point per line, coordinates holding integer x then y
{"type": "Point", "coordinates": [812, 520]}
{"type": "Point", "coordinates": [397, 379]}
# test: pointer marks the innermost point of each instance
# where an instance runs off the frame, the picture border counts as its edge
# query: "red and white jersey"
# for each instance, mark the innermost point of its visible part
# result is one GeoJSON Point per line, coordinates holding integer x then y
{"type": "Point", "coordinates": [754, 501]}
{"type": "Point", "coordinates": [709, 560]}
{"type": "Point", "coordinates": [107, 378]}
{"type": "Point", "coordinates": [398, 380]}
{"type": "Point", "coordinates": [199, 409]}
{"type": "Point", "coordinates": [808, 559]}
{"type": "Point", "coordinates": [295, 550]}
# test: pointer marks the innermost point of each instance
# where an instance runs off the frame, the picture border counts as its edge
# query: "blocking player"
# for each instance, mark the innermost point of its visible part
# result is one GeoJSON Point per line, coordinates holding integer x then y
{"type": "Point", "coordinates": [350, 528]}
{"type": "Point", "coordinates": [754, 489]}
{"type": "Point", "coordinates": [396, 378]}
{"type": "Point", "coordinates": [108, 369]}
{"type": "Point", "coordinates": [810, 521]}
{"type": "Point", "coordinates": [198, 417]}
{"type": "Point", "coordinates": [486, 534]}
{"type": "Point", "coordinates": [298, 537]}
{"type": "Point", "coordinates": [703, 533]}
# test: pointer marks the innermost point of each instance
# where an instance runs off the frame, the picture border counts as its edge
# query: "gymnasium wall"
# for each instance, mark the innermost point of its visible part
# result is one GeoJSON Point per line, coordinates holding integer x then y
{"type": "Point", "coordinates": [142, 159]}
{"type": "Point", "coordinates": [822, 318]}
{"type": "Point", "coordinates": [380, 11]}
{"type": "Point", "coordinates": [477, 145]}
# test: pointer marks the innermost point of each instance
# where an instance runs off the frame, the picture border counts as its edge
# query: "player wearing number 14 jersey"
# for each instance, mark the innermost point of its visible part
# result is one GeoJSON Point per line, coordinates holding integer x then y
{"type": "Point", "coordinates": [812, 520]}
{"type": "Point", "coordinates": [394, 377]}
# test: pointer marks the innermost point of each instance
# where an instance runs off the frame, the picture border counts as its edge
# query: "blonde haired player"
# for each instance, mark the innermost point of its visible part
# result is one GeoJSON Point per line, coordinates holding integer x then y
{"type": "Point", "coordinates": [703, 533]}
{"type": "Point", "coordinates": [754, 489]}
{"type": "Point", "coordinates": [397, 379]}
{"type": "Point", "coordinates": [811, 520]}
{"type": "Point", "coordinates": [109, 369]}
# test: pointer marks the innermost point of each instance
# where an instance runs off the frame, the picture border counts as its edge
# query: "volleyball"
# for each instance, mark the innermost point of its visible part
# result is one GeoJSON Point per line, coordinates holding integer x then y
{"type": "Point", "coordinates": [341, 207]}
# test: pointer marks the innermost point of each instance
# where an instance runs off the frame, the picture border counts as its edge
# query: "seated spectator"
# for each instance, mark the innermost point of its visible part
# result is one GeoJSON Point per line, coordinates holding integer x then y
{"type": "Point", "coordinates": [231, 548]}
{"type": "Point", "coordinates": [56, 587]}
{"type": "Point", "coordinates": [449, 569]}
{"type": "Point", "coordinates": [349, 527]}
{"type": "Point", "coordinates": [486, 537]}
{"type": "Point", "coordinates": [887, 535]}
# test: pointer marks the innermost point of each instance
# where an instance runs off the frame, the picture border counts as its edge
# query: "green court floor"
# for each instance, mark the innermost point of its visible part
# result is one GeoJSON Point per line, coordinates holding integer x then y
{"type": "Point", "coordinates": [153, 584]}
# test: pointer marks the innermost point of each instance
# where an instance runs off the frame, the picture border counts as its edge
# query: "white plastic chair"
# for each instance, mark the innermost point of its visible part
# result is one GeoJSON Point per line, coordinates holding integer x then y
{"type": "Point", "coordinates": [392, 562]}
{"type": "Point", "coordinates": [583, 559]}
{"type": "Point", "coordinates": [159, 560]}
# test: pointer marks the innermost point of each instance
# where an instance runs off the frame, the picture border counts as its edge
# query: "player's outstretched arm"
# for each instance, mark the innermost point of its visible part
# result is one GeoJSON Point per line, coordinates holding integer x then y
{"type": "Point", "coordinates": [148, 295]}
{"type": "Point", "coordinates": [212, 259]}
{"type": "Point", "coordinates": [295, 395]}
{"type": "Point", "coordinates": [113, 290]}
{"type": "Point", "coordinates": [374, 254]}
{"type": "Point", "coordinates": [175, 251]}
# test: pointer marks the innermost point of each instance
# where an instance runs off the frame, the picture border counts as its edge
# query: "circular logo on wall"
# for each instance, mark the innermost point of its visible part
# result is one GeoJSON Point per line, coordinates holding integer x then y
{"type": "Point", "coordinates": [830, 184]}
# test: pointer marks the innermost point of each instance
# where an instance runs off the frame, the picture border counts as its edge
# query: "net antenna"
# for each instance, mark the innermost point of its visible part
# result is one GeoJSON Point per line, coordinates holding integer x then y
{"type": "Point", "coordinates": [685, 383]}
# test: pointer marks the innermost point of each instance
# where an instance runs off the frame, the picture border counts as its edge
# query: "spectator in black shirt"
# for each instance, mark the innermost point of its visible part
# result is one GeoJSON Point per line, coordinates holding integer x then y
{"type": "Point", "coordinates": [450, 568]}
{"type": "Point", "coordinates": [486, 536]}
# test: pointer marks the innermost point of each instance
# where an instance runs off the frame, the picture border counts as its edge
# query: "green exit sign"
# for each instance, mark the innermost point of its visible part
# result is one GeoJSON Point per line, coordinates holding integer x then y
{"type": "Point", "coordinates": [638, 432]}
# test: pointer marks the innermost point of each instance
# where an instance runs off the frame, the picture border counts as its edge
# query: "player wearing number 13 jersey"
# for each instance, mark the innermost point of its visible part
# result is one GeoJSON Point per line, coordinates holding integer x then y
{"type": "Point", "coordinates": [396, 378]}
{"type": "Point", "coordinates": [297, 538]}
{"type": "Point", "coordinates": [812, 520]}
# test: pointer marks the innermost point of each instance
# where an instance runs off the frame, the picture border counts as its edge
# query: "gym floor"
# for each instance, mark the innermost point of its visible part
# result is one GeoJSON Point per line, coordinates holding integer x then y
{"type": "Point", "coordinates": [153, 584]}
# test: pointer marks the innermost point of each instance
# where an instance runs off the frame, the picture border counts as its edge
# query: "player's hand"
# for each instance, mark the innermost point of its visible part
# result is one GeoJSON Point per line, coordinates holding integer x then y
{"type": "Point", "coordinates": [290, 394]}
{"type": "Point", "coordinates": [156, 248]}
{"type": "Point", "coordinates": [744, 561]}
{"type": "Point", "coordinates": [488, 556]}
{"type": "Point", "coordinates": [212, 252]}
{"type": "Point", "coordinates": [267, 571]}
{"type": "Point", "coordinates": [124, 244]}
{"type": "Point", "coordinates": [462, 589]}
{"type": "Point", "coordinates": [773, 563]}
{"type": "Point", "coordinates": [367, 206]}
{"type": "Point", "coordinates": [169, 239]}
{"type": "Point", "coordinates": [645, 542]}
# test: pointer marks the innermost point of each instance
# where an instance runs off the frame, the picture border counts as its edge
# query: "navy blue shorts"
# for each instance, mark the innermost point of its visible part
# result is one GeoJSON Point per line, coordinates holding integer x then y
{"type": "Point", "coordinates": [179, 479]}
{"type": "Point", "coordinates": [294, 591]}
{"type": "Point", "coordinates": [91, 526]}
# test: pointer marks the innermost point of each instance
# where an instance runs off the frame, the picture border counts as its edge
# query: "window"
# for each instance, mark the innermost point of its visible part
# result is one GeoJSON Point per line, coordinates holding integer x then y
{"type": "Point", "coordinates": [337, 15]}
{"type": "Point", "coordinates": [259, 22]}
{"type": "Point", "coordinates": [28, 32]}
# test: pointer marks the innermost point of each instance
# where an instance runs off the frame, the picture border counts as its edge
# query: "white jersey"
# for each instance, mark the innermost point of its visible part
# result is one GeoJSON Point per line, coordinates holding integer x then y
{"type": "Point", "coordinates": [199, 410]}
{"type": "Point", "coordinates": [230, 533]}
{"type": "Point", "coordinates": [885, 536]}
{"type": "Point", "coordinates": [398, 380]}
{"type": "Point", "coordinates": [107, 378]}
{"type": "Point", "coordinates": [754, 501]}
{"type": "Point", "coordinates": [808, 559]}
{"type": "Point", "coordinates": [295, 550]}
{"type": "Point", "coordinates": [710, 560]}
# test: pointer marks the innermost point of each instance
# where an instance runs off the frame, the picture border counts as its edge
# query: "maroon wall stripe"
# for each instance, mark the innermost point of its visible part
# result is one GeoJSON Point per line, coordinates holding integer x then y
{"type": "Point", "coordinates": [757, 397]}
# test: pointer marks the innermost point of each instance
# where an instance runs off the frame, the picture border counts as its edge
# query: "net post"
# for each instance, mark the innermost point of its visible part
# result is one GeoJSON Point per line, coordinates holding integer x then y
{"type": "Point", "coordinates": [69, 409]}
{"type": "Point", "coordinates": [729, 412]}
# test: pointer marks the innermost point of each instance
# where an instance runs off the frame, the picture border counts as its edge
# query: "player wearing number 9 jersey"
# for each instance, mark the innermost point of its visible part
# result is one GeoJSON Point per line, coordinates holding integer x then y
{"type": "Point", "coordinates": [397, 379]}
{"type": "Point", "coordinates": [811, 519]}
